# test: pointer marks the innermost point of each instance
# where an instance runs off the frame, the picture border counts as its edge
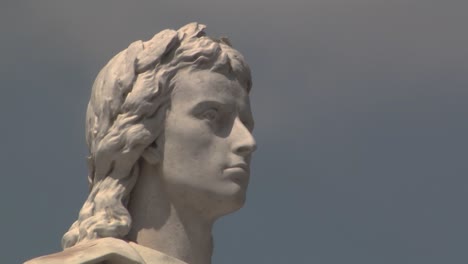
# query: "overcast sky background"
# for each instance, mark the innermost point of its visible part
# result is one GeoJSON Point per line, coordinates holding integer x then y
{"type": "Point", "coordinates": [361, 120]}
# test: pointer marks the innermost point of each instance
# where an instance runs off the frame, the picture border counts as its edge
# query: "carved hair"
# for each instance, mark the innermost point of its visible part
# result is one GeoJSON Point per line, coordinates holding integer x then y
{"type": "Point", "coordinates": [126, 114]}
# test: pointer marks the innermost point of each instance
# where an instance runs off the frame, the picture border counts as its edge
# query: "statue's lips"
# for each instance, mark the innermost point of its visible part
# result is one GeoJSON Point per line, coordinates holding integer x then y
{"type": "Point", "coordinates": [238, 173]}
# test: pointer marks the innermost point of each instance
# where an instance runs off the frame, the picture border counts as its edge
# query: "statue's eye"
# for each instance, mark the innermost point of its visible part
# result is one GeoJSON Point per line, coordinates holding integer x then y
{"type": "Point", "coordinates": [210, 114]}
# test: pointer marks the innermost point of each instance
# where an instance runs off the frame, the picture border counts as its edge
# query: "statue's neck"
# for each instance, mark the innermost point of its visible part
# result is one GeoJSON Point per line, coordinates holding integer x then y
{"type": "Point", "coordinates": [159, 224]}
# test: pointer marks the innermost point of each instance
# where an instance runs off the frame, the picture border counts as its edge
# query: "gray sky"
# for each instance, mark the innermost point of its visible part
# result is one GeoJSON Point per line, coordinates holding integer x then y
{"type": "Point", "coordinates": [361, 120]}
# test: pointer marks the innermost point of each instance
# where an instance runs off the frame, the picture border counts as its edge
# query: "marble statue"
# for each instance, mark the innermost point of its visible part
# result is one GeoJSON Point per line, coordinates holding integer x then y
{"type": "Point", "coordinates": [169, 131]}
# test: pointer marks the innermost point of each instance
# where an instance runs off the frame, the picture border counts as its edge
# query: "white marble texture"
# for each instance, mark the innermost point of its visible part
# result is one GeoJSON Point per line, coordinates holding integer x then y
{"type": "Point", "coordinates": [169, 132]}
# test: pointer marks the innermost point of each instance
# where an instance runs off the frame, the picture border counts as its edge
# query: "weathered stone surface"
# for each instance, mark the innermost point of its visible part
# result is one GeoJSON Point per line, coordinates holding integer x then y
{"type": "Point", "coordinates": [169, 132]}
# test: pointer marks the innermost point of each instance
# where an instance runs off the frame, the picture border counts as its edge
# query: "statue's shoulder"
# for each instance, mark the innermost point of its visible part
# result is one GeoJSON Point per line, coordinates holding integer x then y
{"type": "Point", "coordinates": [103, 250]}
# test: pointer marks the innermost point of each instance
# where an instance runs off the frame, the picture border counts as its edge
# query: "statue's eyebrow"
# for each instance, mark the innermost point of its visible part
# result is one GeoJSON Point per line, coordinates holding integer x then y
{"type": "Point", "coordinates": [203, 105]}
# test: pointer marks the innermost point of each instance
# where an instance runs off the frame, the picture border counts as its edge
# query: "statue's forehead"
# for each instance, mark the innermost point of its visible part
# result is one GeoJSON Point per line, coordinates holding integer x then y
{"type": "Point", "coordinates": [196, 84]}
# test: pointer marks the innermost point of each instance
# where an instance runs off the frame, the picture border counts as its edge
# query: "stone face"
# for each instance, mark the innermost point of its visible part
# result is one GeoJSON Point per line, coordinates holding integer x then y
{"type": "Point", "coordinates": [169, 132]}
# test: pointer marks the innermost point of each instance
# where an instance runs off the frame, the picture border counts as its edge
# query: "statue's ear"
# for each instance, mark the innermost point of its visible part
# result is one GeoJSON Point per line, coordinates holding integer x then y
{"type": "Point", "coordinates": [152, 154]}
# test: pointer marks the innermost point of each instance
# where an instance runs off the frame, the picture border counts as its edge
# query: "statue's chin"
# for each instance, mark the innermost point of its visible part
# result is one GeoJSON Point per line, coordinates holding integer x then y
{"type": "Point", "coordinates": [233, 204]}
{"type": "Point", "coordinates": [210, 202]}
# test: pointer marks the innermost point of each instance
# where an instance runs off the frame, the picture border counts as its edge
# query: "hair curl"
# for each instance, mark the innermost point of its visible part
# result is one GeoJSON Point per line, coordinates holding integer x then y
{"type": "Point", "coordinates": [126, 114]}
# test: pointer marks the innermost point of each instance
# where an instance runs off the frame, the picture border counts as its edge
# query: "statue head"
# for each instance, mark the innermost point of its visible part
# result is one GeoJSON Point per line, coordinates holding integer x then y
{"type": "Point", "coordinates": [177, 103]}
